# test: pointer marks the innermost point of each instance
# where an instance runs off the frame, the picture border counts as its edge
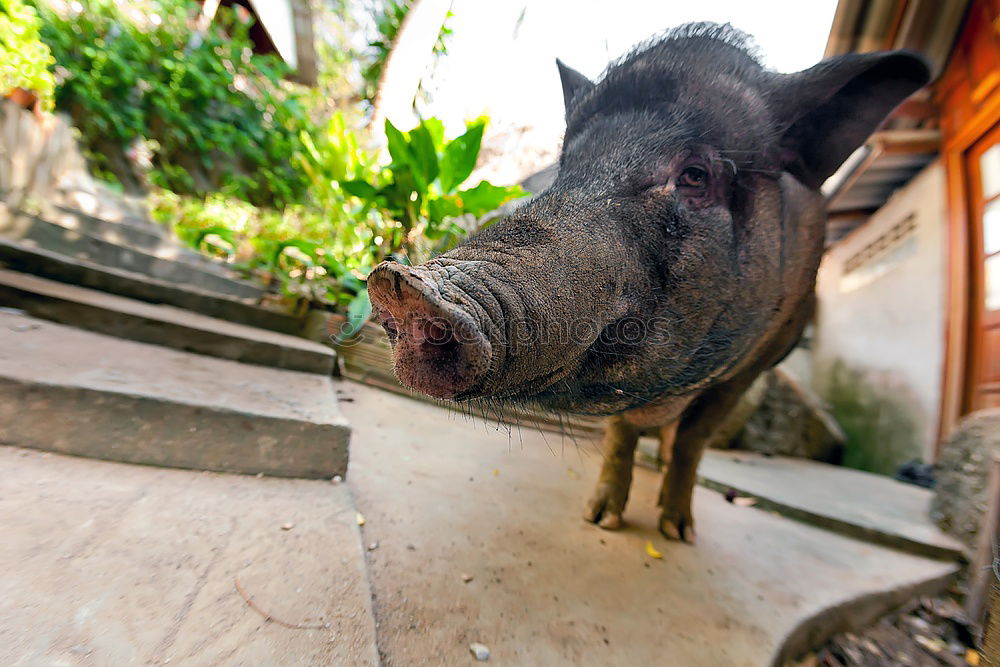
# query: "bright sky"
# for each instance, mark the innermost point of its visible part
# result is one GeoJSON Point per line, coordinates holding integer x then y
{"type": "Point", "coordinates": [507, 70]}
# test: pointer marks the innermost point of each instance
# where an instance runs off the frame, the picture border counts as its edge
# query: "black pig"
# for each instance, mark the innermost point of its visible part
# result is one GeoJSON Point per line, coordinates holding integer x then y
{"type": "Point", "coordinates": [672, 260]}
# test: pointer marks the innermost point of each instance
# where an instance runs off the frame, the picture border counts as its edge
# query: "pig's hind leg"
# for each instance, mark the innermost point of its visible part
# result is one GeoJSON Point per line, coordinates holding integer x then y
{"type": "Point", "coordinates": [606, 506]}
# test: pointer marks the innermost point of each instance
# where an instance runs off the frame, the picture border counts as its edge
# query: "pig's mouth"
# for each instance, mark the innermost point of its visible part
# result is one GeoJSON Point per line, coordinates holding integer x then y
{"type": "Point", "coordinates": [438, 348]}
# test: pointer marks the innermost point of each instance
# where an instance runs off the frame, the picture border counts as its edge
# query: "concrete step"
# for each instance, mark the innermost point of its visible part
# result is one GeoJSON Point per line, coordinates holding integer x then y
{"type": "Point", "coordinates": [111, 564]}
{"type": "Point", "coordinates": [97, 199]}
{"type": "Point", "coordinates": [75, 392]}
{"type": "Point", "coordinates": [127, 231]}
{"type": "Point", "coordinates": [75, 271]}
{"type": "Point", "coordinates": [134, 234]}
{"type": "Point", "coordinates": [161, 325]}
{"type": "Point", "coordinates": [32, 230]}
{"type": "Point", "coordinates": [877, 509]}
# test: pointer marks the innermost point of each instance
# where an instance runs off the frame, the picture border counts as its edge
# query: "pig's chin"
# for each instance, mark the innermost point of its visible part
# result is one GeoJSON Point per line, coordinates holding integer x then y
{"type": "Point", "coordinates": [599, 400]}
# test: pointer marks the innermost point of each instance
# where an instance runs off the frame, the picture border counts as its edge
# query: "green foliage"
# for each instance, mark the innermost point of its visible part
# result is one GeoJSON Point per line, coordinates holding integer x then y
{"type": "Point", "coordinates": [217, 116]}
{"type": "Point", "coordinates": [357, 216]}
{"type": "Point", "coordinates": [24, 58]}
{"type": "Point", "coordinates": [250, 169]}
{"type": "Point", "coordinates": [418, 190]}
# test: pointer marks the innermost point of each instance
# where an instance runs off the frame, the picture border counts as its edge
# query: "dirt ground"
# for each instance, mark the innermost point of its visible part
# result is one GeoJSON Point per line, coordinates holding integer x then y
{"type": "Point", "coordinates": [926, 632]}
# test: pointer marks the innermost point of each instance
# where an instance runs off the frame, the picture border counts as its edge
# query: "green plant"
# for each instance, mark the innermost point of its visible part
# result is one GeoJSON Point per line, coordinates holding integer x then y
{"type": "Point", "coordinates": [24, 58]}
{"type": "Point", "coordinates": [357, 214]}
{"type": "Point", "coordinates": [418, 192]}
{"type": "Point", "coordinates": [217, 116]}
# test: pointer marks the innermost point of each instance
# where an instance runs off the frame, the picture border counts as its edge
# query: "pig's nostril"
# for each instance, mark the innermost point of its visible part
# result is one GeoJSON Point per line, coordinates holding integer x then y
{"type": "Point", "coordinates": [389, 325]}
{"type": "Point", "coordinates": [437, 332]}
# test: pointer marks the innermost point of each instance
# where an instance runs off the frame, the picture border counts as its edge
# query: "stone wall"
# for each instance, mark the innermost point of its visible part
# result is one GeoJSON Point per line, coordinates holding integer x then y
{"type": "Point", "coordinates": [961, 499]}
{"type": "Point", "coordinates": [38, 157]}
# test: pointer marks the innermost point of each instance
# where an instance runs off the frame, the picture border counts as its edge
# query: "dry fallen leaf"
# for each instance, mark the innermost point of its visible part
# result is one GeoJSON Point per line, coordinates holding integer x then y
{"type": "Point", "coordinates": [651, 550]}
{"type": "Point", "coordinates": [360, 518]}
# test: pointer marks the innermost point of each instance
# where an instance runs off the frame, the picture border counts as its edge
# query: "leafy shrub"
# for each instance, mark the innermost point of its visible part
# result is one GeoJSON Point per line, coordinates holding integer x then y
{"type": "Point", "coordinates": [358, 215]}
{"type": "Point", "coordinates": [217, 116]}
{"type": "Point", "coordinates": [24, 58]}
{"type": "Point", "coordinates": [419, 190]}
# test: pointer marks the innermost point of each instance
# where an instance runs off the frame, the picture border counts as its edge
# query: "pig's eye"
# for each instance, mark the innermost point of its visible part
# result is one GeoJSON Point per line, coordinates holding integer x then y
{"type": "Point", "coordinates": [693, 177]}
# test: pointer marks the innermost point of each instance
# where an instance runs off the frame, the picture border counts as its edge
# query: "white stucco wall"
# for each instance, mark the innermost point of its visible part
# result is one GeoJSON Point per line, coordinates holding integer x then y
{"type": "Point", "coordinates": [886, 318]}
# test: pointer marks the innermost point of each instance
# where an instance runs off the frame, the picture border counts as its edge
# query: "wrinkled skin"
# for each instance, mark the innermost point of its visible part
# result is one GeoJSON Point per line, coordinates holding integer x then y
{"type": "Point", "coordinates": [671, 262]}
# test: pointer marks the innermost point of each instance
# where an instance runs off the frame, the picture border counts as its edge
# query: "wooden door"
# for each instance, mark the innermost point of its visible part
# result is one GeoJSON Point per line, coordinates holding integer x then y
{"type": "Point", "coordinates": [983, 370]}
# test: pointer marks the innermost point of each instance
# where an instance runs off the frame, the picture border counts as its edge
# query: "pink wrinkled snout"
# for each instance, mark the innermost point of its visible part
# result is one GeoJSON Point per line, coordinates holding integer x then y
{"type": "Point", "coordinates": [438, 348]}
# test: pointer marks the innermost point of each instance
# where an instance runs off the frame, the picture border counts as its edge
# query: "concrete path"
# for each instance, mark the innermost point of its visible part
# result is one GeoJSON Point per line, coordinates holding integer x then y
{"type": "Point", "coordinates": [446, 496]}
{"type": "Point", "coordinates": [114, 564]}
{"type": "Point", "coordinates": [470, 534]}
{"type": "Point", "coordinates": [860, 504]}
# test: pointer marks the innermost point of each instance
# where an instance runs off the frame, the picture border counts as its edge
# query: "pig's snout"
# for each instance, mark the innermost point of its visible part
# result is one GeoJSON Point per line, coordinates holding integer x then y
{"type": "Point", "coordinates": [438, 348]}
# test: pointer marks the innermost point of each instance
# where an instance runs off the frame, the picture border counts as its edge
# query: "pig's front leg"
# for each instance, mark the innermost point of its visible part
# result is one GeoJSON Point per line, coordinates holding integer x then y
{"type": "Point", "coordinates": [697, 425]}
{"type": "Point", "coordinates": [606, 506]}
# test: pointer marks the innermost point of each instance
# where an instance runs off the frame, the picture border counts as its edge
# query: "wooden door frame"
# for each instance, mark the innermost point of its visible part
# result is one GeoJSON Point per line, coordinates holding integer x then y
{"type": "Point", "coordinates": [961, 317]}
{"type": "Point", "coordinates": [978, 320]}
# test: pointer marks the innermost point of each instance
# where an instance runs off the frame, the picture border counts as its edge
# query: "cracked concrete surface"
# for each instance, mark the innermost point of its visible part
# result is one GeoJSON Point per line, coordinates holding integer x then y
{"type": "Point", "coordinates": [444, 495]}
{"type": "Point", "coordinates": [114, 564]}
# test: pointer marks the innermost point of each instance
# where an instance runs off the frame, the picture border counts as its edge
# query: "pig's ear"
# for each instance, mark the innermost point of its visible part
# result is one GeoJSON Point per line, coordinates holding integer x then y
{"type": "Point", "coordinates": [573, 83]}
{"type": "Point", "coordinates": [829, 110]}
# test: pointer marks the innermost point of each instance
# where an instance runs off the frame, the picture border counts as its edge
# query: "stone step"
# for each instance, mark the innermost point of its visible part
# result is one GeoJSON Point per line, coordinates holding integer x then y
{"type": "Point", "coordinates": [75, 271]}
{"type": "Point", "coordinates": [32, 230]}
{"type": "Point", "coordinates": [112, 564]}
{"type": "Point", "coordinates": [125, 231]}
{"type": "Point", "coordinates": [136, 234]}
{"type": "Point", "coordinates": [161, 325]}
{"type": "Point", "coordinates": [876, 509]}
{"type": "Point", "coordinates": [97, 199]}
{"type": "Point", "coordinates": [76, 392]}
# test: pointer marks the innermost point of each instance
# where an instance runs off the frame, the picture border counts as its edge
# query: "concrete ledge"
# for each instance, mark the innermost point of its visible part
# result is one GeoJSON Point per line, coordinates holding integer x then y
{"type": "Point", "coordinates": [862, 505]}
{"type": "Point", "coordinates": [161, 325]}
{"type": "Point", "coordinates": [854, 615]}
{"type": "Point", "coordinates": [80, 393]}
{"type": "Point", "coordinates": [55, 266]}
{"type": "Point", "coordinates": [138, 429]}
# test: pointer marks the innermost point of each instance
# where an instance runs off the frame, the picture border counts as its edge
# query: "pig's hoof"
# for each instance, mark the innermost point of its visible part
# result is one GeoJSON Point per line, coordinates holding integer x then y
{"type": "Point", "coordinates": [605, 508]}
{"type": "Point", "coordinates": [677, 526]}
